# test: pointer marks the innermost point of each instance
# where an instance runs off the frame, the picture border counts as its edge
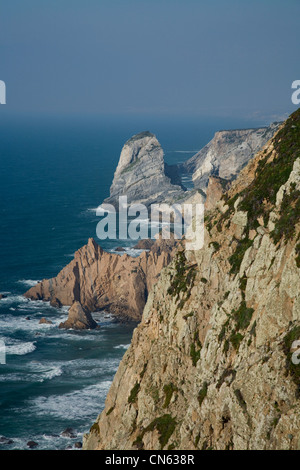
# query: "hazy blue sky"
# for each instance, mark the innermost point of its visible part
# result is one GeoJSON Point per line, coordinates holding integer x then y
{"type": "Point", "coordinates": [187, 57]}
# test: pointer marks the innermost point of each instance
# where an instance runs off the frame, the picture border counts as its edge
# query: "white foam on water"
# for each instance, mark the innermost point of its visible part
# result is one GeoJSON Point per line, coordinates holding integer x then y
{"type": "Point", "coordinates": [122, 346]}
{"type": "Point", "coordinates": [33, 372]}
{"type": "Point", "coordinates": [75, 405]}
{"type": "Point", "coordinates": [28, 282]}
{"type": "Point", "coordinates": [20, 348]}
{"type": "Point", "coordinates": [10, 299]}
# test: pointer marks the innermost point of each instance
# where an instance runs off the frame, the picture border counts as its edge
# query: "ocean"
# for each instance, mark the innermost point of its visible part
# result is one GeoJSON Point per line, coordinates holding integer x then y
{"type": "Point", "coordinates": [54, 172]}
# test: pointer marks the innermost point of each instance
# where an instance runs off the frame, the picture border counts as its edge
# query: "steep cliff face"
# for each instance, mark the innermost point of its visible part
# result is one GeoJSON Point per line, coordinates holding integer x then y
{"type": "Point", "coordinates": [227, 153]}
{"type": "Point", "coordinates": [106, 281]}
{"type": "Point", "coordinates": [210, 365]}
{"type": "Point", "coordinates": [141, 174]}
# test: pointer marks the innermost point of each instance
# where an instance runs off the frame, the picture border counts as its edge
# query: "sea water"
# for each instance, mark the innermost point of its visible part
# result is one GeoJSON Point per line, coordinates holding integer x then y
{"type": "Point", "coordinates": [54, 172]}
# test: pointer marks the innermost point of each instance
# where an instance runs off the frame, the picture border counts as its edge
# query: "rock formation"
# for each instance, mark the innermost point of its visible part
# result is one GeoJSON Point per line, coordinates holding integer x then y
{"type": "Point", "coordinates": [78, 319]}
{"type": "Point", "coordinates": [106, 281]}
{"type": "Point", "coordinates": [142, 174]}
{"type": "Point", "coordinates": [213, 363]}
{"type": "Point", "coordinates": [227, 153]}
{"type": "Point", "coordinates": [44, 321]}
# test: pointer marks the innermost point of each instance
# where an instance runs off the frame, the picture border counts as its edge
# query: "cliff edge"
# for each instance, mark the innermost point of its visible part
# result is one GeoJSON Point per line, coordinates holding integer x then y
{"type": "Point", "coordinates": [212, 364]}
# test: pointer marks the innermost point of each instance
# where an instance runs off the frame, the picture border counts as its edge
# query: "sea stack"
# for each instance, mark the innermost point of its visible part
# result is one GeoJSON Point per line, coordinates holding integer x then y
{"type": "Point", "coordinates": [142, 175]}
{"type": "Point", "coordinates": [79, 319]}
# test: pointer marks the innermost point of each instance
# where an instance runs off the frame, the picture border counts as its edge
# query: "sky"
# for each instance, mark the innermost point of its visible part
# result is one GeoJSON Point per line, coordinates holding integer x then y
{"type": "Point", "coordinates": [150, 57]}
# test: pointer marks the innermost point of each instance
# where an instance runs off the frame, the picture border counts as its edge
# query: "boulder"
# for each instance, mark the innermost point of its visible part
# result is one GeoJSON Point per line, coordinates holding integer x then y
{"type": "Point", "coordinates": [32, 444]}
{"type": "Point", "coordinates": [45, 321]}
{"type": "Point", "coordinates": [79, 319]}
{"type": "Point", "coordinates": [56, 303]}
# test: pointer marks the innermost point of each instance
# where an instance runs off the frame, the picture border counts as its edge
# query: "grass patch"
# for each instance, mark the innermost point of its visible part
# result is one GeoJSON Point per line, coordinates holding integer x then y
{"type": "Point", "coordinates": [236, 339]}
{"type": "Point", "coordinates": [168, 391]}
{"type": "Point", "coordinates": [236, 258]}
{"type": "Point", "coordinates": [110, 411]}
{"type": "Point", "coordinates": [165, 426]}
{"type": "Point", "coordinates": [134, 393]}
{"type": "Point", "coordinates": [260, 195]}
{"type": "Point", "coordinates": [285, 226]}
{"type": "Point", "coordinates": [243, 316]}
{"type": "Point", "coordinates": [202, 393]}
{"type": "Point", "coordinates": [183, 280]}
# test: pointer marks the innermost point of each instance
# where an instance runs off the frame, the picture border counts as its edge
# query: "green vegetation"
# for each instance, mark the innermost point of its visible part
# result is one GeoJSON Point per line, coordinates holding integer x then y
{"type": "Point", "coordinates": [95, 428]}
{"type": "Point", "coordinates": [216, 245]}
{"type": "Point", "coordinates": [197, 440]}
{"type": "Point", "coordinates": [236, 258]}
{"type": "Point", "coordinates": [110, 410]}
{"type": "Point", "coordinates": [191, 314]}
{"type": "Point", "coordinates": [230, 202]}
{"type": "Point", "coordinates": [165, 426]}
{"type": "Point", "coordinates": [144, 370]}
{"type": "Point", "coordinates": [297, 249]}
{"type": "Point", "coordinates": [183, 280]}
{"type": "Point", "coordinates": [134, 393]}
{"type": "Point", "coordinates": [226, 373]}
{"type": "Point", "coordinates": [194, 352]}
{"type": "Point", "coordinates": [168, 391]}
{"type": "Point", "coordinates": [154, 393]}
{"type": "Point", "coordinates": [243, 316]}
{"type": "Point", "coordinates": [289, 217]}
{"type": "Point", "coordinates": [240, 400]}
{"type": "Point", "coordinates": [204, 280]}
{"type": "Point", "coordinates": [236, 339]}
{"type": "Point", "coordinates": [260, 196]}
{"type": "Point", "coordinates": [292, 369]}
{"type": "Point", "coordinates": [202, 393]}
{"type": "Point", "coordinates": [223, 331]}
{"type": "Point", "coordinates": [243, 285]}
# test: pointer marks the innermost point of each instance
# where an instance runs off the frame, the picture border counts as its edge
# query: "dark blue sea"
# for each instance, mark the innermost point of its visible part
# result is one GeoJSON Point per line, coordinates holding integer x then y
{"type": "Point", "coordinates": [54, 172]}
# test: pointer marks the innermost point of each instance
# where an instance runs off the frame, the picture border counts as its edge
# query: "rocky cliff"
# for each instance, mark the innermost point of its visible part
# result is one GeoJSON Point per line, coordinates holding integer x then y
{"type": "Point", "coordinates": [142, 174]}
{"type": "Point", "coordinates": [211, 364]}
{"type": "Point", "coordinates": [106, 281]}
{"type": "Point", "coordinates": [227, 153]}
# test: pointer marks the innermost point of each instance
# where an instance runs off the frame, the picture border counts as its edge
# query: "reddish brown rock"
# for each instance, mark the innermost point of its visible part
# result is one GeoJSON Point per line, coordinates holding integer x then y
{"type": "Point", "coordinates": [79, 319]}
{"type": "Point", "coordinates": [45, 321]}
{"type": "Point", "coordinates": [99, 280]}
{"type": "Point", "coordinates": [215, 190]}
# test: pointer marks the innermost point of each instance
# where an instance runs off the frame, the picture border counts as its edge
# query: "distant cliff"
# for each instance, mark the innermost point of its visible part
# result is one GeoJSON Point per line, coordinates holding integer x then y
{"type": "Point", "coordinates": [226, 154]}
{"type": "Point", "coordinates": [210, 365]}
{"type": "Point", "coordinates": [142, 175]}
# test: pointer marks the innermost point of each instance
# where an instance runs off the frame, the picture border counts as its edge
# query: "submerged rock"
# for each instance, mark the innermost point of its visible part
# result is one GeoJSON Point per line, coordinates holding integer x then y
{"type": "Point", "coordinates": [69, 432]}
{"type": "Point", "coordinates": [79, 319]}
{"type": "Point", "coordinates": [45, 321]}
{"type": "Point", "coordinates": [32, 444]}
{"type": "Point", "coordinates": [6, 441]}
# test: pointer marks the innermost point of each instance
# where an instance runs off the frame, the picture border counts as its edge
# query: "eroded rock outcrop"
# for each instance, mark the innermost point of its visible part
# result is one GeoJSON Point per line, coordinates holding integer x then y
{"type": "Point", "coordinates": [227, 153]}
{"type": "Point", "coordinates": [78, 319]}
{"type": "Point", "coordinates": [210, 365]}
{"type": "Point", "coordinates": [99, 280]}
{"type": "Point", "coordinates": [142, 175]}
